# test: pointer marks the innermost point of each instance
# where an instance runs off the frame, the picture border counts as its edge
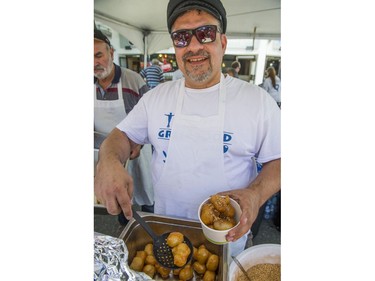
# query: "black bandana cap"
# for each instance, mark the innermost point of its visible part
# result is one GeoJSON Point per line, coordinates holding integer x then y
{"type": "Point", "coordinates": [100, 36]}
{"type": "Point", "coordinates": [214, 7]}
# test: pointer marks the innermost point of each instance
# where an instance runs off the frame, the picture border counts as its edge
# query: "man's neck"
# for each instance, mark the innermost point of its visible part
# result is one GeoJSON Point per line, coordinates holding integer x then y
{"type": "Point", "coordinates": [106, 82]}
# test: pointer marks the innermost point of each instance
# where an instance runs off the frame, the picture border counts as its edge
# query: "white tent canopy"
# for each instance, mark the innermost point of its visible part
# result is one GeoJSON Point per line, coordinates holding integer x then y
{"type": "Point", "coordinates": [144, 22]}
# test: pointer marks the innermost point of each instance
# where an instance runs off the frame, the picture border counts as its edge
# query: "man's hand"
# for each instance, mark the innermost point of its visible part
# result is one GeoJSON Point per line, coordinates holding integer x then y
{"type": "Point", "coordinates": [113, 185]}
{"type": "Point", "coordinates": [254, 196]}
{"type": "Point", "coordinates": [250, 204]}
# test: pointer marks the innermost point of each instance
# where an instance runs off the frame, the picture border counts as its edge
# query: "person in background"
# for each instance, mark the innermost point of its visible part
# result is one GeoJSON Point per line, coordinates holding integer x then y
{"type": "Point", "coordinates": [116, 91]}
{"type": "Point", "coordinates": [230, 71]}
{"type": "Point", "coordinates": [236, 66]}
{"type": "Point", "coordinates": [153, 75]}
{"type": "Point", "coordinates": [272, 84]}
{"type": "Point", "coordinates": [208, 131]}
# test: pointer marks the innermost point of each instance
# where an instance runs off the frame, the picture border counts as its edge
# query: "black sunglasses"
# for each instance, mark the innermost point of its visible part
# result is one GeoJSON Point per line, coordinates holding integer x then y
{"type": "Point", "coordinates": [204, 34]}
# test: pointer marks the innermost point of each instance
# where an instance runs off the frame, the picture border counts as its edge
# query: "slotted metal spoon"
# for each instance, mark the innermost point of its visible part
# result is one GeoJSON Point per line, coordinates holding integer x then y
{"type": "Point", "coordinates": [162, 252]}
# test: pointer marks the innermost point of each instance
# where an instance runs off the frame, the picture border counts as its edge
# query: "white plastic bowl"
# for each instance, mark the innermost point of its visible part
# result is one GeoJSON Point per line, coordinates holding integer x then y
{"type": "Point", "coordinates": [263, 253]}
{"type": "Point", "coordinates": [218, 236]}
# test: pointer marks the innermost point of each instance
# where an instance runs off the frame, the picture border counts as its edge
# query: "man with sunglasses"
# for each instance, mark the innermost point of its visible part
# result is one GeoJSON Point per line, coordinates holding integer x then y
{"type": "Point", "coordinates": [207, 130]}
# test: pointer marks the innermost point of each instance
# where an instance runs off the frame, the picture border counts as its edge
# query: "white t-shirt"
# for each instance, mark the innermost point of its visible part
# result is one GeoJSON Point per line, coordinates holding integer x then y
{"type": "Point", "coordinates": [251, 126]}
{"type": "Point", "coordinates": [177, 74]}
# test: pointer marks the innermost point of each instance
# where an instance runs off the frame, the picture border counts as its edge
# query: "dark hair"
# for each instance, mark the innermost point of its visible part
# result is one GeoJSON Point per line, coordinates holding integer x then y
{"type": "Point", "coordinates": [230, 71]}
{"type": "Point", "coordinates": [236, 64]}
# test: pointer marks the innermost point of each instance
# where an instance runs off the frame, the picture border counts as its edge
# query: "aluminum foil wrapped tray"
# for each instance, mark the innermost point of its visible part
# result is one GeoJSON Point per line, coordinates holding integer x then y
{"type": "Point", "coordinates": [110, 260]}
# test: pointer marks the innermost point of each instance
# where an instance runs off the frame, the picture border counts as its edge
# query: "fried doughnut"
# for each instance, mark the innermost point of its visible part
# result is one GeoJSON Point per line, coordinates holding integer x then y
{"type": "Point", "coordinates": [149, 270]}
{"type": "Point", "coordinates": [195, 252]}
{"type": "Point", "coordinates": [150, 259]}
{"type": "Point", "coordinates": [181, 249]}
{"type": "Point", "coordinates": [212, 262]}
{"type": "Point", "coordinates": [229, 211]}
{"type": "Point", "coordinates": [180, 254]}
{"type": "Point", "coordinates": [209, 276]}
{"type": "Point", "coordinates": [199, 268]}
{"type": "Point", "coordinates": [220, 202]}
{"type": "Point", "coordinates": [141, 254]}
{"type": "Point", "coordinates": [164, 272]}
{"type": "Point", "coordinates": [186, 273]}
{"type": "Point", "coordinates": [149, 249]}
{"type": "Point", "coordinates": [175, 238]}
{"type": "Point", "coordinates": [137, 264]}
{"type": "Point", "coordinates": [223, 224]}
{"type": "Point", "coordinates": [209, 214]}
{"type": "Point", "coordinates": [202, 255]}
{"type": "Point", "coordinates": [179, 260]}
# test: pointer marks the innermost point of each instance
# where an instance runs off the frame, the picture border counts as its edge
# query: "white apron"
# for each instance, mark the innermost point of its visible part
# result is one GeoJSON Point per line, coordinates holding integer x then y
{"type": "Point", "coordinates": [195, 154]}
{"type": "Point", "coordinates": [109, 113]}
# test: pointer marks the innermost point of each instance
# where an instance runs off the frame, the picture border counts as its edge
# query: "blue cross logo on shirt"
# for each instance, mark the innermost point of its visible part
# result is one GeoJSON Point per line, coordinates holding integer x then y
{"type": "Point", "coordinates": [170, 115]}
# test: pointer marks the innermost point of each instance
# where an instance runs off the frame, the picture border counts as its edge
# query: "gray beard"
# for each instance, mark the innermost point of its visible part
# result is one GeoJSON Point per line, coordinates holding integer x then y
{"type": "Point", "coordinates": [197, 76]}
{"type": "Point", "coordinates": [105, 73]}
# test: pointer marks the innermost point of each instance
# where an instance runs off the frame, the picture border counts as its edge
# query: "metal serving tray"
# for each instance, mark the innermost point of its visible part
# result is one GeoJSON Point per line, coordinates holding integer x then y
{"type": "Point", "coordinates": [135, 238]}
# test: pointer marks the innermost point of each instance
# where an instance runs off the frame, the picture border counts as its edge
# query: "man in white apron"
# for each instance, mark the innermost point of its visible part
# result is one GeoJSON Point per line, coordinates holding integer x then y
{"type": "Point", "coordinates": [116, 91]}
{"type": "Point", "coordinates": [207, 130]}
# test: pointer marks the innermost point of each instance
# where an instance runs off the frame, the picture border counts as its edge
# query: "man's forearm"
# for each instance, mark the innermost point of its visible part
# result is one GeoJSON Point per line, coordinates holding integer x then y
{"type": "Point", "coordinates": [115, 147]}
{"type": "Point", "coordinates": [268, 182]}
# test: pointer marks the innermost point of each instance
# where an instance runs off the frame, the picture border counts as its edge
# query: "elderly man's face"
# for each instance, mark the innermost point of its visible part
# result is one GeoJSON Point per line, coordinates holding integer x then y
{"type": "Point", "coordinates": [103, 59]}
{"type": "Point", "coordinates": [200, 63]}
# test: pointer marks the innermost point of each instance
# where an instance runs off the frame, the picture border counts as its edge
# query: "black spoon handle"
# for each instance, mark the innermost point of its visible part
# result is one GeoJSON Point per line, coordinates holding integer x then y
{"type": "Point", "coordinates": [144, 224]}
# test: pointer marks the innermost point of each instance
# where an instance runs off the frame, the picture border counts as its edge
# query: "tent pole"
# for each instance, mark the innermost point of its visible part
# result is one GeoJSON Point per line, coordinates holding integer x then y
{"type": "Point", "coordinates": [255, 30]}
{"type": "Point", "coordinates": [145, 56]}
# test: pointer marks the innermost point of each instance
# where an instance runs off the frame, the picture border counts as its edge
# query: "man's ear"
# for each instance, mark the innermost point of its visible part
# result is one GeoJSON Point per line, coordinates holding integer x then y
{"type": "Point", "coordinates": [224, 42]}
{"type": "Point", "coordinates": [111, 51]}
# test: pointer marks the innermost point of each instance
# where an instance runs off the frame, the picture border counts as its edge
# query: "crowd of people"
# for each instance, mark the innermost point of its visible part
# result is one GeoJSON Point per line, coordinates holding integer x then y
{"type": "Point", "coordinates": [170, 145]}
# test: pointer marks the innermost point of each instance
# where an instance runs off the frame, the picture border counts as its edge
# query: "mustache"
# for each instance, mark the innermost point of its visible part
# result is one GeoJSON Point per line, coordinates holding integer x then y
{"type": "Point", "coordinates": [98, 67]}
{"type": "Point", "coordinates": [192, 54]}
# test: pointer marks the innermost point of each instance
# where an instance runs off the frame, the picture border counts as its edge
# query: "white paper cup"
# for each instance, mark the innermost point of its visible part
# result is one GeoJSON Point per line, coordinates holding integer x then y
{"type": "Point", "coordinates": [218, 236]}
